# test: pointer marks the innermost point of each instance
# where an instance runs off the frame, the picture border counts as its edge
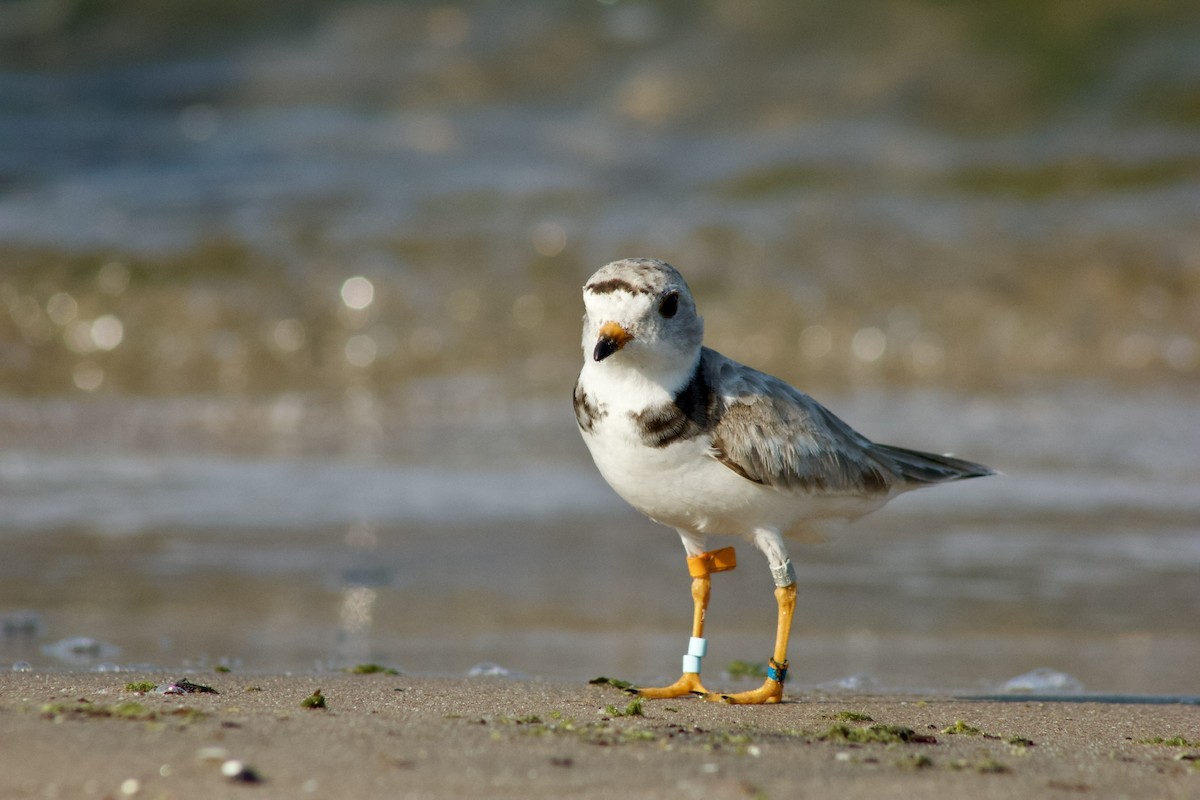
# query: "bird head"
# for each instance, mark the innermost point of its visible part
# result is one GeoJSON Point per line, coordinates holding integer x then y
{"type": "Point", "coordinates": [639, 313]}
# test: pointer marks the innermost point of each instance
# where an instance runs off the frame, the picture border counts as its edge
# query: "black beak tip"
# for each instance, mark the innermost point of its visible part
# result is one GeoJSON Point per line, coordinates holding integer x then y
{"type": "Point", "coordinates": [604, 349]}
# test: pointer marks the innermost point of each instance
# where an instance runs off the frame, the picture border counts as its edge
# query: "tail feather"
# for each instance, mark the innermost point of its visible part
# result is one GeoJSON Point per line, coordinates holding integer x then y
{"type": "Point", "coordinates": [917, 467]}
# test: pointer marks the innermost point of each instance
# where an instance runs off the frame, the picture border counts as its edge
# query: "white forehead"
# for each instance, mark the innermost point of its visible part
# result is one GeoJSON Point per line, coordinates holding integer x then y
{"type": "Point", "coordinates": [617, 305]}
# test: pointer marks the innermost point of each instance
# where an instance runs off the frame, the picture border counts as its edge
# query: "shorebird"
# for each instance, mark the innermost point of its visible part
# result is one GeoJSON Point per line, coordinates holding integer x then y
{"type": "Point", "coordinates": [705, 445]}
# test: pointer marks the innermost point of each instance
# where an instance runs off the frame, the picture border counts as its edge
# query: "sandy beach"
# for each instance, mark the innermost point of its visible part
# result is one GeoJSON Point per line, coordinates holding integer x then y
{"type": "Point", "coordinates": [391, 735]}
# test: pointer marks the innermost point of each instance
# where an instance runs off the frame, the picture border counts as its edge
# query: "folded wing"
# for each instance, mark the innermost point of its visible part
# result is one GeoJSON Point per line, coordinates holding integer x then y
{"type": "Point", "coordinates": [773, 434]}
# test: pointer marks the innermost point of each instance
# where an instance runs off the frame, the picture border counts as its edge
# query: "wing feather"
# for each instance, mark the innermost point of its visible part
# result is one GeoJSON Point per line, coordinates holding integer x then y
{"type": "Point", "coordinates": [771, 433]}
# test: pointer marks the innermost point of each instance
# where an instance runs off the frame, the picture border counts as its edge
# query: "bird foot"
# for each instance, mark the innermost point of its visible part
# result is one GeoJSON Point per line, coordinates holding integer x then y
{"type": "Point", "coordinates": [688, 683]}
{"type": "Point", "coordinates": [770, 692]}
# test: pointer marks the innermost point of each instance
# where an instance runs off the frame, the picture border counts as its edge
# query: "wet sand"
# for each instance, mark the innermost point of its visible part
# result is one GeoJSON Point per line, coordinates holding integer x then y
{"type": "Point", "coordinates": [87, 735]}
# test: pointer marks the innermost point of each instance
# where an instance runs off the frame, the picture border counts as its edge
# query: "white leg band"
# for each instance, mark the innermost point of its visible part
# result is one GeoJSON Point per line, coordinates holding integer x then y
{"type": "Point", "coordinates": [697, 647]}
{"type": "Point", "coordinates": [691, 664]}
{"type": "Point", "coordinates": [784, 575]}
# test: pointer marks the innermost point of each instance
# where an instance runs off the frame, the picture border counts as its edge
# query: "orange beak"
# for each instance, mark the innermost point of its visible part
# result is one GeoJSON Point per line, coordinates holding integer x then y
{"type": "Point", "coordinates": [612, 338]}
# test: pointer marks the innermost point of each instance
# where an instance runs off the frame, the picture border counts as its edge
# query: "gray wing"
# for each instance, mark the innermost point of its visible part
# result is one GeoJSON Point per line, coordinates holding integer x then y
{"type": "Point", "coordinates": [771, 433]}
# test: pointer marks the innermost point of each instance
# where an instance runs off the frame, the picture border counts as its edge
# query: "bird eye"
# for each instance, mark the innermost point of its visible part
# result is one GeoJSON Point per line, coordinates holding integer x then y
{"type": "Point", "coordinates": [669, 305]}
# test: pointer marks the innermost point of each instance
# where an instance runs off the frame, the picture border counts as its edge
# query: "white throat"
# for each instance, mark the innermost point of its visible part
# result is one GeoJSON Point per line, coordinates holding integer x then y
{"type": "Point", "coordinates": [633, 386]}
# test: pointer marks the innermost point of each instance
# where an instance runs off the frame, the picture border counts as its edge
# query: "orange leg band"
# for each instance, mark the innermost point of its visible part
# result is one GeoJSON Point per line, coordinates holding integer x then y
{"type": "Point", "coordinates": [713, 561]}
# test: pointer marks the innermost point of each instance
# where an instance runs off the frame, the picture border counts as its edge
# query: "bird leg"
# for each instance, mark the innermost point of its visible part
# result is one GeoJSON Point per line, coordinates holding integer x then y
{"type": "Point", "coordinates": [772, 689]}
{"type": "Point", "coordinates": [700, 567]}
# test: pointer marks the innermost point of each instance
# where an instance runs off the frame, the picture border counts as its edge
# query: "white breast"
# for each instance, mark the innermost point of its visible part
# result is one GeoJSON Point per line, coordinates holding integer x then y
{"type": "Point", "coordinates": [682, 485]}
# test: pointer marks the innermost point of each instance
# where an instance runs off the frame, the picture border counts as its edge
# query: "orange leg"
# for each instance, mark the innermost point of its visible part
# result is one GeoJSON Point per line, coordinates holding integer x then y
{"type": "Point", "coordinates": [689, 682]}
{"type": "Point", "coordinates": [700, 567]}
{"type": "Point", "coordinates": [772, 689]}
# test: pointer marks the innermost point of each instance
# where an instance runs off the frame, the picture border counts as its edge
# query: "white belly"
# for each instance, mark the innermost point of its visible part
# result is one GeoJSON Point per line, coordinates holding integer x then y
{"type": "Point", "coordinates": [683, 486]}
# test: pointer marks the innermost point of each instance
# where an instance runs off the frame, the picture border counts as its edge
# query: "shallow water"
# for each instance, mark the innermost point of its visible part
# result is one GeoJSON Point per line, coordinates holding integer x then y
{"type": "Point", "coordinates": [289, 315]}
{"type": "Point", "coordinates": [1082, 558]}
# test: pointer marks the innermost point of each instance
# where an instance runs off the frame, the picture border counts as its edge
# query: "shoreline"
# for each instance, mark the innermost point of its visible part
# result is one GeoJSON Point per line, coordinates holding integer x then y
{"type": "Point", "coordinates": [87, 735]}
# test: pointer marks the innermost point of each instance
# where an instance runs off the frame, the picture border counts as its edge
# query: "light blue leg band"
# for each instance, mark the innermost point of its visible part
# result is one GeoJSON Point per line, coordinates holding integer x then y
{"type": "Point", "coordinates": [697, 647]}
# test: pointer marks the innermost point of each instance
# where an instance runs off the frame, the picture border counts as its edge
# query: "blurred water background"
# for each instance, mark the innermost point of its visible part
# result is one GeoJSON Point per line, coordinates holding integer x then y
{"type": "Point", "coordinates": [289, 310]}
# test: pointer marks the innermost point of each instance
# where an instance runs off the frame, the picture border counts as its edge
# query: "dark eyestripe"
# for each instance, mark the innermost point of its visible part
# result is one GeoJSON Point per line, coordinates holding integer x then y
{"type": "Point", "coordinates": [617, 285]}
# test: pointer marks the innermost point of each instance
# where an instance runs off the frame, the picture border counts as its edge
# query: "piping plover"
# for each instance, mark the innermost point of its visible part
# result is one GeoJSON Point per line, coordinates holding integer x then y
{"type": "Point", "coordinates": [706, 445]}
